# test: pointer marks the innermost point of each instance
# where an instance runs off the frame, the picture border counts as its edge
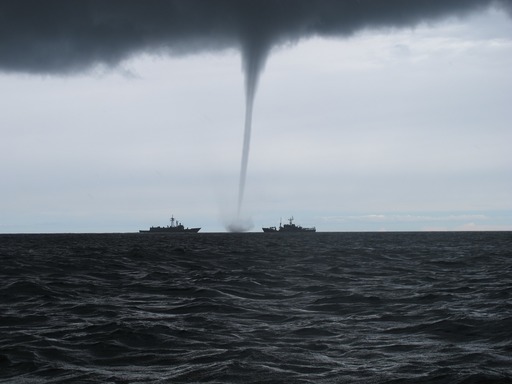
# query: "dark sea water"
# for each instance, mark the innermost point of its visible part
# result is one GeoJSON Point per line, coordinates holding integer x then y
{"type": "Point", "coordinates": [256, 308]}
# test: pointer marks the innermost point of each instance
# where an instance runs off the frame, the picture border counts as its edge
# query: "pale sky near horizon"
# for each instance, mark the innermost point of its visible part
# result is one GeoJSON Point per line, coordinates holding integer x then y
{"type": "Point", "coordinates": [389, 129]}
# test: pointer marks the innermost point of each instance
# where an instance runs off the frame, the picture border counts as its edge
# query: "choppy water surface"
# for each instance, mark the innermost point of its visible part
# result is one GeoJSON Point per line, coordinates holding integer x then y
{"type": "Point", "coordinates": [256, 308]}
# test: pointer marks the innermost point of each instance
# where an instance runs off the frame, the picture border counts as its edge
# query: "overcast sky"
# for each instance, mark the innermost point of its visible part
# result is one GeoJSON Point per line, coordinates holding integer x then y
{"type": "Point", "coordinates": [398, 126]}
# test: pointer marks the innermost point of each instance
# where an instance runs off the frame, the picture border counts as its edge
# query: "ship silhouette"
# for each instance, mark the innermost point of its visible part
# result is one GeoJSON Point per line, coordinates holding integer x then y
{"type": "Point", "coordinates": [290, 227]}
{"type": "Point", "coordinates": [175, 227]}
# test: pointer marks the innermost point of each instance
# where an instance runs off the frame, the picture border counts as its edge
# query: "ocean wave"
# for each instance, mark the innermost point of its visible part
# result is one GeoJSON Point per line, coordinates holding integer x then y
{"type": "Point", "coordinates": [250, 308]}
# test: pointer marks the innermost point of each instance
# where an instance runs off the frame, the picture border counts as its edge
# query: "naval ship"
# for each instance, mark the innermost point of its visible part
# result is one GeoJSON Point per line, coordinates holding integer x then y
{"type": "Point", "coordinates": [290, 227]}
{"type": "Point", "coordinates": [175, 227]}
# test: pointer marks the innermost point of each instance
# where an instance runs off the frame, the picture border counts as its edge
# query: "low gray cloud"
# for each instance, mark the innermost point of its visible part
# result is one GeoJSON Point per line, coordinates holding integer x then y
{"type": "Point", "coordinates": [60, 36]}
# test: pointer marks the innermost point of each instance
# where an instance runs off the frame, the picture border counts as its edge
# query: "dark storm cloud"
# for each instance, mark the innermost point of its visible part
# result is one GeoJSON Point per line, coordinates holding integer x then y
{"type": "Point", "coordinates": [62, 36]}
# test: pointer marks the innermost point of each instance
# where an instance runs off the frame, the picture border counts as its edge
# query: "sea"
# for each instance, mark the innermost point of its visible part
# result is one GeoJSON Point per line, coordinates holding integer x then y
{"type": "Point", "coordinates": [395, 307]}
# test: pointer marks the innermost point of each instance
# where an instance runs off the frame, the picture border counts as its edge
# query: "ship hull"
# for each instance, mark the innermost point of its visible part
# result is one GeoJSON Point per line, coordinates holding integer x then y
{"type": "Point", "coordinates": [295, 230]}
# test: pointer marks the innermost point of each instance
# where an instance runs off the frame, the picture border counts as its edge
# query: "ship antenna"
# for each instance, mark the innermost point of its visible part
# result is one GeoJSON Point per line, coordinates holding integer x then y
{"type": "Point", "coordinates": [172, 220]}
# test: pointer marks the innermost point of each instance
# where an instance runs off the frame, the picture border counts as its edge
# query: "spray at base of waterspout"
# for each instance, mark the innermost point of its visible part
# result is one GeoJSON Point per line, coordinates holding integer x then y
{"type": "Point", "coordinates": [240, 225]}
